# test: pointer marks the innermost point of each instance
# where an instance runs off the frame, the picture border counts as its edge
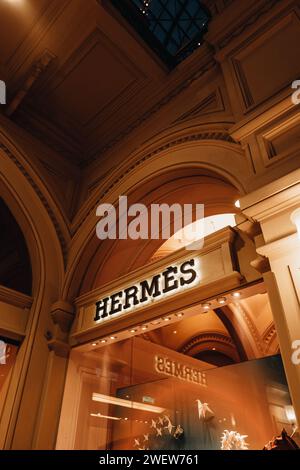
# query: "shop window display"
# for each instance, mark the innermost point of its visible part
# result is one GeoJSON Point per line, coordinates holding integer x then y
{"type": "Point", "coordinates": [138, 395]}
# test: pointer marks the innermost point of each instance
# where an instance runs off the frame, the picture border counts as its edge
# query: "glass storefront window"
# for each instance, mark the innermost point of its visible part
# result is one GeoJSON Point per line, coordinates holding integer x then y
{"type": "Point", "coordinates": [135, 394]}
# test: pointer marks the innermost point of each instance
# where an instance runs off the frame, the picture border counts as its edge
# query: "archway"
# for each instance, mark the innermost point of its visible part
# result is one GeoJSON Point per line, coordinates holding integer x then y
{"type": "Point", "coordinates": [20, 423]}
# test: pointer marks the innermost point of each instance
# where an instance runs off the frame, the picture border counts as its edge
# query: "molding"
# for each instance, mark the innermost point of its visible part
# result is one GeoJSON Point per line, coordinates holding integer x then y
{"type": "Point", "coordinates": [261, 264]}
{"type": "Point", "coordinates": [238, 30]}
{"type": "Point", "coordinates": [60, 348]}
{"type": "Point", "coordinates": [272, 198]}
{"type": "Point", "coordinates": [60, 235]}
{"type": "Point", "coordinates": [210, 64]}
{"type": "Point", "coordinates": [279, 248]}
{"type": "Point", "coordinates": [204, 337]}
{"type": "Point", "coordinates": [212, 103]}
{"type": "Point", "coordinates": [12, 297]}
{"type": "Point", "coordinates": [62, 314]}
{"type": "Point", "coordinates": [206, 135]}
{"type": "Point", "coordinates": [269, 336]}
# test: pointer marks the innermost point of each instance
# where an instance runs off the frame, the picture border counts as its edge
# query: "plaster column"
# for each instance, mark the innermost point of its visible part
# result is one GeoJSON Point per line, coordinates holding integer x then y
{"type": "Point", "coordinates": [275, 207]}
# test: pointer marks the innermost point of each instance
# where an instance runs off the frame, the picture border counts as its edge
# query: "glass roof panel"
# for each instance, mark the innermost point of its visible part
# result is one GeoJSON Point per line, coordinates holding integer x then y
{"type": "Point", "coordinates": [173, 28]}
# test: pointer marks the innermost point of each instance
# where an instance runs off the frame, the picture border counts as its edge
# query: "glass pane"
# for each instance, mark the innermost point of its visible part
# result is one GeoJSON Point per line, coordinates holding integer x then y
{"type": "Point", "coordinates": [137, 395]}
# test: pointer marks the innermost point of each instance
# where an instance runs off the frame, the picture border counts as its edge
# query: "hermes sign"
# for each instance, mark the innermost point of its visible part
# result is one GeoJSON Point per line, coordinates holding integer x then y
{"type": "Point", "coordinates": [171, 281]}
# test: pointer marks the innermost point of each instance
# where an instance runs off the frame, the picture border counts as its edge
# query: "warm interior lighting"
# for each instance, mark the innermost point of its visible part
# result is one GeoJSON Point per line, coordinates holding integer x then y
{"type": "Point", "coordinates": [94, 344]}
{"type": "Point", "coordinates": [196, 231]}
{"type": "Point", "coordinates": [167, 319]}
{"type": "Point", "coordinates": [133, 331]}
{"type": "Point", "coordinates": [144, 327]}
{"type": "Point", "coordinates": [222, 300]}
{"type": "Point", "coordinates": [99, 415]}
{"type": "Point", "coordinates": [236, 294]}
{"type": "Point", "coordinates": [237, 204]}
{"type": "Point", "coordinates": [295, 218]}
{"type": "Point", "coordinates": [125, 403]}
{"type": "Point", "coordinates": [290, 414]}
{"type": "Point", "coordinates": [103, 340]}
{"type": "Point", "coordinates": [206, 306]}
{"type": "Point", "coordinates": [113, 337]}
{"type": "Point", "coordinates": [14, 2]}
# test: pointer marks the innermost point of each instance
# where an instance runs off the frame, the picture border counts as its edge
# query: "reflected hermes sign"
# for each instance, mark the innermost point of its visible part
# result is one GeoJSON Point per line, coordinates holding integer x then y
{"type": "Point", "coordinates": [171, 281]}
{"type": "Point", "coordinates": [166, 366]}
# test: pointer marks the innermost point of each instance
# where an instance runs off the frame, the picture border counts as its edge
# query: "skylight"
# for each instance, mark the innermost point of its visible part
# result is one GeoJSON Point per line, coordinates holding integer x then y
{"type": "Point", "coordinates": [173, 28]}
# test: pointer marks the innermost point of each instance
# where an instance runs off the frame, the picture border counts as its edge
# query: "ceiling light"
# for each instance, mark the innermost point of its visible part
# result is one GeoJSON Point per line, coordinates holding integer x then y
{"type": "Point", "coordinates": [167, 319]}
{"type": "Point", "coordinates": [99, 415]}
{"type": "Point", "coordinates": [94, 344]}
{"type": "Point", "coordinates": [237, 204]}
{"type": "Point", "coordinates": [174, 332]}
{"type": "Point", "coordinates": [221, 300]}
{"type": "Point", "coordinates": [290, 413]}
{"type": "Point", "coordinates": [179, 314]}
{"type": "Point", "coordinates": [113, 337]}
{"type": "Point", "coordinates": [206, 305]}
{"type": "Point", "coordinates": [126, 404]}
{"type": "Point", "coordinates": [103, 340]}
{"type": "Point", "coordinates": [236, 294]}
{"type": "Point", "coordinates": [144, 327]}
{"type": "Point", "coordinates": [133, 330]}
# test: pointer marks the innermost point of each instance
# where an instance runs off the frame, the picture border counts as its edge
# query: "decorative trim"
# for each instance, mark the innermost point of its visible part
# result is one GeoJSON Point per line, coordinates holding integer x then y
{"type": "Point", "coordinates": [60, 236]}
{"type": "Point", "coordinates": [252, 328]}
{"type": "Point", "coordinates": [240, 29]}
{"type": "Point", "coordinates": [163, 102]}
{"type": "Point", "coordinates": [269, 334]}
{"type": "Point", "coordinates": [208, 135]}
{"type": "Point", "coordinates": [62, 314]}
{"type": "Point", "coordinates": [60, 348]}
{"type": "Point", "coordinates": [204, 337]}
{"type": "Point", "coordinates": [12, 297]}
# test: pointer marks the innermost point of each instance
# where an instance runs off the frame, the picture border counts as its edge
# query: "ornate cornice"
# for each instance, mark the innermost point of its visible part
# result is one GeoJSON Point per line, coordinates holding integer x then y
{"type": "Point", "coordinates": [204, 337]}
{"type": "Point", "coordinates": [269, 335]}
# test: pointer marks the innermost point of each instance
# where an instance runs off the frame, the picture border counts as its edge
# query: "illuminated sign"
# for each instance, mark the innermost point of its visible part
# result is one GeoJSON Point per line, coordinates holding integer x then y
{"type": "Point", "coordinates": [171, 281]}
{"type": "Point", "coordinates": [166, 366]}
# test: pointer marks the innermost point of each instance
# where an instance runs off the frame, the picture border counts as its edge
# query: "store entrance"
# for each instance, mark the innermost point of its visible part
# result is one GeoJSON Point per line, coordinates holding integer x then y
{"type": "Point", "coordinates": [209, 377]}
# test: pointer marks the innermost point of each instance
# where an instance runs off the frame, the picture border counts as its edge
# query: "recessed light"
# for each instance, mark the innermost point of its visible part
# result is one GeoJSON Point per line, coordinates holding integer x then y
{"type": "Point", "coordinates": [167, 319]}
{"type": "Point", "coordinates": [133, 330]}
{"type": "Point", "coordinates": [221, 300]}
{"type": "Point", "coordinates": [103, 340]}
{"type": "Point", "coordinates": [113, 337]}
{"type": "Point", "coordinates": [94, 344]}
{"type": "Point", "coordinates": [179, 314]}
{"type": "Point", "coordinates": [144, 327]}
{"type": "Point", "coordinates": [174, 332]}
{"type": "Point", "coordinates": [206, 305]}
{"type": "Point", "coordinates": [236, 294]}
